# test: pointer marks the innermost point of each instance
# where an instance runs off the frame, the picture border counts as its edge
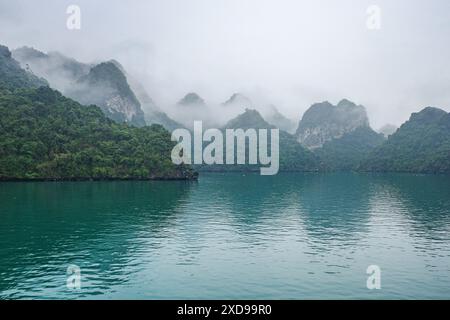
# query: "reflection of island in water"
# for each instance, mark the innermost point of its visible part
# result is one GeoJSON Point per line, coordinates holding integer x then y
{"type": "Point", "coordinates": [285, 236]}
{"type": "Point", "coordinates": [426, 199]}
{"type": "Point", "coordinates": [339, 203]}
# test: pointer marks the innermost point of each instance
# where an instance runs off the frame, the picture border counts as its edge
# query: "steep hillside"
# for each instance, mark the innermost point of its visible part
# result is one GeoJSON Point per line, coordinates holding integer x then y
{"type": "Point", "coordinates": [12, 76]}
{"type": "Point", "coordinates": [422, 144]}
{"type": "Point", "coordinates": [347, 152]}
{"type": "Point", "coordinates": [50, 137]}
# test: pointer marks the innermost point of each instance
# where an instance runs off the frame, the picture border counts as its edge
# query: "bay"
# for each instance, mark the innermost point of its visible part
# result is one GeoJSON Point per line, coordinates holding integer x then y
{"type": "Point", "coordinates": [228, 236]}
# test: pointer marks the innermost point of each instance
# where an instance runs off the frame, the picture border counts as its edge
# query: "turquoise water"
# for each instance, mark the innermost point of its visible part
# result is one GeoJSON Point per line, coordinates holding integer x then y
{"type": "Point", "coordinates": [228, 236]}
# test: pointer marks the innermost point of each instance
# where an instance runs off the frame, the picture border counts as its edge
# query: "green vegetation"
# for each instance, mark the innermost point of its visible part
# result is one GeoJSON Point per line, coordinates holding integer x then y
{"type": "Point", "coordinates": [422, 144]}
{"type": "Point", "coordinates": [47, 136]}
{"type": "Point", "coordinates": [13, 76]}
{"type": "Point", "coordinates": [347, 152]}
{"type": "Point", "coordinates": [293, 156]}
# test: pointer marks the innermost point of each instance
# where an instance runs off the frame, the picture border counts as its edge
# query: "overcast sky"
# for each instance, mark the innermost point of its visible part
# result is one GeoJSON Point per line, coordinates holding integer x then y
{"type": "Point", "coordinates": [290, 53]}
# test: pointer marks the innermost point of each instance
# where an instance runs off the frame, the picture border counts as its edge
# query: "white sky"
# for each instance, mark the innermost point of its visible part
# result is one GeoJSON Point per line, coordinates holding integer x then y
{"type": "Point", "coordinates": [290, 53]}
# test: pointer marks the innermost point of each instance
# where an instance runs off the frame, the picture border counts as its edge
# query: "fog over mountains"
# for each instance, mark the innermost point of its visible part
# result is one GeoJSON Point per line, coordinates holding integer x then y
{"type": "Point", "coordinates": [290, 54]}
{"type": "Point", "coordinates": [45, 133]}
{"type": "Point", "coordinates": [344, 96]}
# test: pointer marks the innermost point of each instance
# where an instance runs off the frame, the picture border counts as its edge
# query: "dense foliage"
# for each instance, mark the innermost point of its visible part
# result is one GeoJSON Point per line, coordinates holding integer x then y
{"type": "Point", "coordinates": [47, 136]}
{"type": "Point", "coordinates": [347, 152]}
{"type": "Point", "coordinates": [422, 144]}
{"type": "Point", "coordinates": [13, 76]}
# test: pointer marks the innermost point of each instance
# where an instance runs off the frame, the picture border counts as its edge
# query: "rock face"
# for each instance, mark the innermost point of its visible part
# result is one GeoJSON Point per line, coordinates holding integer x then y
{"type": "Point", "coordinates": [153, 114]}
{"type": "Point", "coordinates": [104, 84]}
{"type": "Point", "coordinates": [324, 122]}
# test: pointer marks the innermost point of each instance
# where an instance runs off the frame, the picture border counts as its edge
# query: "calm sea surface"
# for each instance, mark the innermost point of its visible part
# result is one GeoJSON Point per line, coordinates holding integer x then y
{"type": "Point", "coordinates": [228, 236]}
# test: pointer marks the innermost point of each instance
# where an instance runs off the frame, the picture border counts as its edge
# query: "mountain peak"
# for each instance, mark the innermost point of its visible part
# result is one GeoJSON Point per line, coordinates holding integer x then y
{"type": "Point", "coordinates": [431, 111]}
{"type": "Point", "coordinates": [323, 122]}
{"type": "Point", "coordinates": [108, 73]}
{"type": "Point", "coordinates": [250, 119]}
{"type": "Point", "coordinates": [105, 67]}
{"type": "Point", "coordinates": [427, 115]}
{"type": "Point", "coordinates": [191, 98]}
{"type": "Point", "coordinates": [346, 103]}
{"type": "Point", "coordinates": [239, 99]}
{"type": "Point", "coordinates": [4, 52]}
{"type": "Point", "coordinates": [107, 86]}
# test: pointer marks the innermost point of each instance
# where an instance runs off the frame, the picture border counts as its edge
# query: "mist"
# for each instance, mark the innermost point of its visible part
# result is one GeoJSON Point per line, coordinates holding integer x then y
{"type": "Point", "coordinates": [287, 53]}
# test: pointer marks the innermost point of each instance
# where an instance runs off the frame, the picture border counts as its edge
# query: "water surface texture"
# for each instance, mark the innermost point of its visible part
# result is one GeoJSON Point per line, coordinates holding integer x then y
{"type": "Point", "coordinates": [228, 236]}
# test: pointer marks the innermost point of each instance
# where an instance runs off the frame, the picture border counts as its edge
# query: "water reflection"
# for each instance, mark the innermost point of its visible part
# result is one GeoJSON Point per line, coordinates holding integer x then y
{"type": "Point", "coordinates": [229, 235]}
{"type": "Point", "coordinates": [98, 226]}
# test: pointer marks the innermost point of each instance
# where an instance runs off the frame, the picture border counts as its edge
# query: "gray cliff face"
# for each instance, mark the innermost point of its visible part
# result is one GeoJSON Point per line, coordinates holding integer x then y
{"type": "Point", "coordinates": [324, 122]}
{"type": "Point", "coordinates": [104, 84]}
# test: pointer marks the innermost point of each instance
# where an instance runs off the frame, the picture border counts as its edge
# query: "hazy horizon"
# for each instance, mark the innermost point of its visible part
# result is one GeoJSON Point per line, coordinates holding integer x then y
{"type": "Point", "coordinates": [287, 53]}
